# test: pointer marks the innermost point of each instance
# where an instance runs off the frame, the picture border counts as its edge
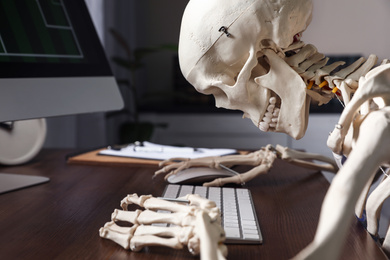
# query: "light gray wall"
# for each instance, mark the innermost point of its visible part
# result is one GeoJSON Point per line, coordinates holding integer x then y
{"type": "Point", "coordinates": [350, 27]}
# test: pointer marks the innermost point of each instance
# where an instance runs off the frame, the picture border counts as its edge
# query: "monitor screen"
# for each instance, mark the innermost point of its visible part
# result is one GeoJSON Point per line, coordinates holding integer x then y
{"type": "Point", "coordinates": [51, 61]}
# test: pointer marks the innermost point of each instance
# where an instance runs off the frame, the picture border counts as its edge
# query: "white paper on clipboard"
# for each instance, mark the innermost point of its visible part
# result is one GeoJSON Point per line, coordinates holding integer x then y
{"type": "Point", "coordinates": [154, 151]}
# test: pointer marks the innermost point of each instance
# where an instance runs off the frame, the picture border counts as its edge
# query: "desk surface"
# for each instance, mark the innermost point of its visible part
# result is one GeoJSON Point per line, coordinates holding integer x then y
{"type": "Point", "coordinates": [61, 219]}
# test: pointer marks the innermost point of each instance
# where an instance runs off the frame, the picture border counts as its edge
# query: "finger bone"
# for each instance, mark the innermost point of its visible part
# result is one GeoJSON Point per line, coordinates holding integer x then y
{"type": "Point", "coordinates": [199, 201]}
{"type": "Point", "coordinates": [148, 217]}
{"type": "Point", "coordinates": [129, 216]}
{"type": "Point", "coordinates": [134, 199]}
{"type": "Point", "coordinates": [139, 242]}
{"type": "Point", "coordinates": [160, 204]}
{"type": "Point", "coordinates": [120, 235]}
{"type": "Point", "coordinates": [182, 233]}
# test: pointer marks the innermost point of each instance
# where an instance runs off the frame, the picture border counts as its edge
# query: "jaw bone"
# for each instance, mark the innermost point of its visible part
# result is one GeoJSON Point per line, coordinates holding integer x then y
{"type": "Point", "coordinates": [291, 89]}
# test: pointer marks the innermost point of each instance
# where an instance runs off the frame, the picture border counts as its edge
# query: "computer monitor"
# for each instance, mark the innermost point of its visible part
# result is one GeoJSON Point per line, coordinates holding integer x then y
{"type": "Point", "coordinates": [52, 62]}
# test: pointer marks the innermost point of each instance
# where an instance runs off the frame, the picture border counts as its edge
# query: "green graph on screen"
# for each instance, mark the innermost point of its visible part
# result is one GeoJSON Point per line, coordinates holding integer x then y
{"type": "Point", "coordinates": [44, 34]}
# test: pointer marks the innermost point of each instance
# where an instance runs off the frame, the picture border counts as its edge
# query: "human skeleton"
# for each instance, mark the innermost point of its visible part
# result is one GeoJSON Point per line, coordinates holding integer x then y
{"type": "Point", "coordinates": [249, 55]}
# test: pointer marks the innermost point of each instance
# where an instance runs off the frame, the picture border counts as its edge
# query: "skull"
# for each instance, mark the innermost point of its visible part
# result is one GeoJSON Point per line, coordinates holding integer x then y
{"type": "Point", "coordinates": [234, 50]}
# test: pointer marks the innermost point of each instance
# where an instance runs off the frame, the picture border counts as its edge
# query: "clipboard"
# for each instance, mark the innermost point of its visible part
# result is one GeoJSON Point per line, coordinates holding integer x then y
{"type": "Point", "coordinates": [152, 151]}
{"type": "Point", "coordinates": [106, 156]}
{"type": "Point", "coordinates": [93, 158]}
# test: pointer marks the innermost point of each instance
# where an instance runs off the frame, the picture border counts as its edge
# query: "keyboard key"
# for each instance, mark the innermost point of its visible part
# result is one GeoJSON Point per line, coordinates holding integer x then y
{"type": "Point", "coordinates": [246, 211]}
{"type": "Point", "coordinates": [171, 191]}
{"type": "Point", "coordinates": [248, 223]}
{"type": "Point", "coordinates": [185, 189]}
{"type": "Point", "coordinates": [232, 232]}
{"type": "Point", "coordinates": [251, 236]}
{"type": "Point", "coordinates": [201, 191]}
{"type": "Point", "coordinates": [231, 224]}
{"type": "Point", "coordinates": [250, 231]}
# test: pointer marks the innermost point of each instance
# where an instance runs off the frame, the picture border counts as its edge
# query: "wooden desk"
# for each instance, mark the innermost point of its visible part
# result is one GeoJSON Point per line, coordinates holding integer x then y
{"type": "Point", "coordinates": [61, 219]}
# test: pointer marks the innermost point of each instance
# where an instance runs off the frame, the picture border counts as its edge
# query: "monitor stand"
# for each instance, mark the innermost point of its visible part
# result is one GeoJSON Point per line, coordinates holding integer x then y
{"type": "Point", "coordinates": [20, 141]}
{"type": "Point", "coordinates": [11, 182]}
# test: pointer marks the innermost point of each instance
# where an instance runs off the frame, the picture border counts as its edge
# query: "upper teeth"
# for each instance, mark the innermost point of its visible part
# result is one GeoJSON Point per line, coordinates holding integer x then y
{"type": "Point", "coordinates": [270, 118]}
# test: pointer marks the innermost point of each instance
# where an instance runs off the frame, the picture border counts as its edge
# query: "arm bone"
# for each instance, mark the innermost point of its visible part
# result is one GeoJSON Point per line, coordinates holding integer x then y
{"type": "Point", "coordinates": [300, 158]}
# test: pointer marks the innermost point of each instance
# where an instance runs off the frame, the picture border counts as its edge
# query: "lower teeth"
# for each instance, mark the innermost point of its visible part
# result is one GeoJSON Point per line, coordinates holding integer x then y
{"type": "Point", "coordinates": [270, 118]}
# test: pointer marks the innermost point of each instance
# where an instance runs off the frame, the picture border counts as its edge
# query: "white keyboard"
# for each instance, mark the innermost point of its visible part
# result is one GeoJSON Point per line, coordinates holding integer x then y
{"type": "Point", "coordinates": [238, 213]}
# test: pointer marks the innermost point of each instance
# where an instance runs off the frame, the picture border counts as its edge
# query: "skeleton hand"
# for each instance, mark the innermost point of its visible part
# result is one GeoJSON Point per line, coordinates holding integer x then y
{"type": "Point", "coordinates": [197, 226]}
{"type": "Point", "coordinates": [311, 66]}
{"type": "Point", "coordinates": [262, 160]}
